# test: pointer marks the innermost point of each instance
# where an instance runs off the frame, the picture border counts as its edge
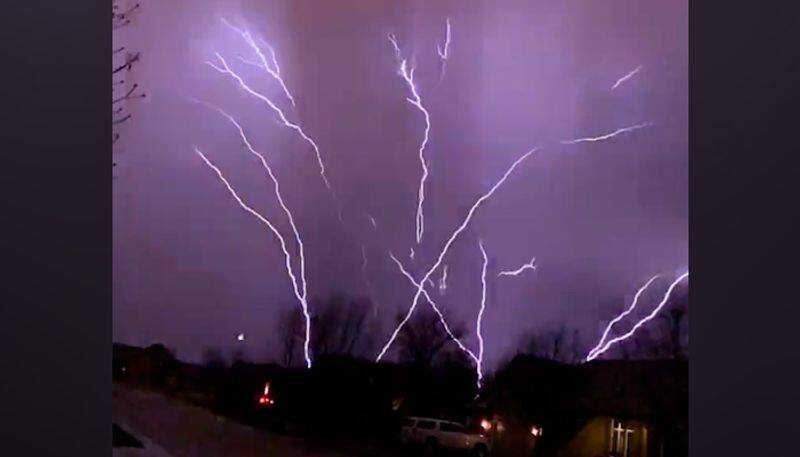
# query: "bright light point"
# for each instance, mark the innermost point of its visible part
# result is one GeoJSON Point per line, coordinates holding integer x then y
{"type": "Point", "coordinates": [240, 337]}
{"type": "Point", "coordinates": [486, 425]}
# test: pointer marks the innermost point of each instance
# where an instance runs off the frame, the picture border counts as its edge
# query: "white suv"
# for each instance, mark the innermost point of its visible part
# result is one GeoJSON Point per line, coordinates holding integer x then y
{"type": "Point", "coordinates": [434, 433]}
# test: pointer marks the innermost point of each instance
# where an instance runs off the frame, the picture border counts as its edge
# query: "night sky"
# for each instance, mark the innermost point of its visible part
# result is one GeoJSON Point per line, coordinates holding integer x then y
{"type": "Point", "coordinates": [192, 270]}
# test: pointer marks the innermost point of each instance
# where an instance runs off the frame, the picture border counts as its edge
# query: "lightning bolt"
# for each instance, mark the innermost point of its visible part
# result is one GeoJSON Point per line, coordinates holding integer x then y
{"type": "Point", "coordinates": [447, 245]}
{"type": "Point", "coordinates": [372, 221]}
{"type": "Point", "coordinates": [443, 281]}
{"type": "Point", "coordinates": [298, 239]}
{"type": "Point", "coordinates": [275, 70]}
{"type": "Point", "coordinates": [408, 76]}
{"type": "Point", "coordinates": [363, 259]}
{"type": "Point", "coordinates": [225, 69]}
{"type": "Point", "coordinates": [435, 309]}
{"type": "Point", "coordinates": [518, 271]}
{"type": "Point", "coordinates": [608, 135]}
{"type": "Point", "coordinates": [622, 315]}
{"type": "Point", "coordinates": [598, 352]}
{"type": "Point", "coordinates": [397, 52]}
{"type": "Point", "coordinates": [411, 254]}
{"type": "Point", "coordinates": [444, 53]}
{"type": "Point", "coordinates": [299, 294]}
{"type": "Point", "coordinates": [479, 363]}
{"type": "Point", "coordinates": [626, 77]}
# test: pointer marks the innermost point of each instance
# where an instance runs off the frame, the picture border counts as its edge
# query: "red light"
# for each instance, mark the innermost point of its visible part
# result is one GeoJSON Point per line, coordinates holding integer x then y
{"type": "Point", "coordinates": [265, 400]}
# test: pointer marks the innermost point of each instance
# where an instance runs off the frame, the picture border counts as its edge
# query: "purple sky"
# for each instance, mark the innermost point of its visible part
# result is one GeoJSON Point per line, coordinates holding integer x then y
{"type": "Point", "coordinates": [192, 270]}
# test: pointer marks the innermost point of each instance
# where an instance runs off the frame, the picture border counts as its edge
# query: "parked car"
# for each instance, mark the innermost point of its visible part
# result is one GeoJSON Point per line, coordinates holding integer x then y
{"type": "Point", "coordinates": [438, 433]}
{"type": "Point", "coordinates": [125, 444]}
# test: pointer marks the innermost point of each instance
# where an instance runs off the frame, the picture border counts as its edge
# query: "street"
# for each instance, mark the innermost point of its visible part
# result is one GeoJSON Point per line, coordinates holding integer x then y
{"type": "Point", "coordinates": [186, 430]}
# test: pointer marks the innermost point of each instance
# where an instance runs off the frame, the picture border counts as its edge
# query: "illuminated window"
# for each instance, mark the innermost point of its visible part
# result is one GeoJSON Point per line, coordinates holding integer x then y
{"type": "Point", "coordinates": [620, 439]}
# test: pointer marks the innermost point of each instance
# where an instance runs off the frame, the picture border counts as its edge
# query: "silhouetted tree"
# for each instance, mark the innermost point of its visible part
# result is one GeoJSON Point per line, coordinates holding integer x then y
{"type": "Point", "coordinates": [291, 330]}
{"type": "Point", "coordinates": [213, 358]}
{"type": "Point", "coordinates": [677, 320]}
{"type": "Point", "coordinates": [424, 337]}
{"type": "Point", "coordinates": [558, 345]}
{"type": "Point", "coordinates": [123, 61]}
{"type": "Point", "coordinates": [338, 326]}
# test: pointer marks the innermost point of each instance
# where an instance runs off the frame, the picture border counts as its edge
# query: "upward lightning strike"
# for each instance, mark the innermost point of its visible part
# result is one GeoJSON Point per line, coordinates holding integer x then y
{"type": "Point", "coordinates": [397, 52]}
{"type": "Point", "coordinates": [528, 266]}
{"type": "Point", "coordinates": [408, 76]}
{"type": "Point", "coordinates": [275, 70]}
{"type": "Point", "coordinates": [298, 239]}
{"type": "Point", "coordinates": [446, 248]}
{"type": "Point", "coordinates": [297, 289]}
{"type": "Point", "coordinates": [622, 315]}
{"type": "Point", "coordinates": [444, 53]}
{"type": "Point", "coordinates": [608, 135]}
{"type": "Point", "coordinates": [225, 69]}
{"type": "Point", "coordinates": [596, 353]}
{"type": "Point", "coordinates": [479, 363]}
{"type": "Point", "coordinates": [443, 281]}
{"type": "Point", "coordinates": [626, 77]}
{"type": "Point", "coordinates": [436, 309]}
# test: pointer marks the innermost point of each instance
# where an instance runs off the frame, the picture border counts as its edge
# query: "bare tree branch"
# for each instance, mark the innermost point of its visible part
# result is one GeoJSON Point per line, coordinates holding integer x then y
{"type": "Point", "coordinates": [129, 61]}
{"type": "Point", "coordinates": [128, 95]}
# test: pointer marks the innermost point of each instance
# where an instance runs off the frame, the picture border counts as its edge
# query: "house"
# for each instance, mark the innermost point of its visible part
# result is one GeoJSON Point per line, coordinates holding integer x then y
{"type": "Point", "coordinates": [617, 408]}
{"type": "Point", "coordinates": [154, 364]}
{"type": "Point", "coordinates": [630, 409]}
